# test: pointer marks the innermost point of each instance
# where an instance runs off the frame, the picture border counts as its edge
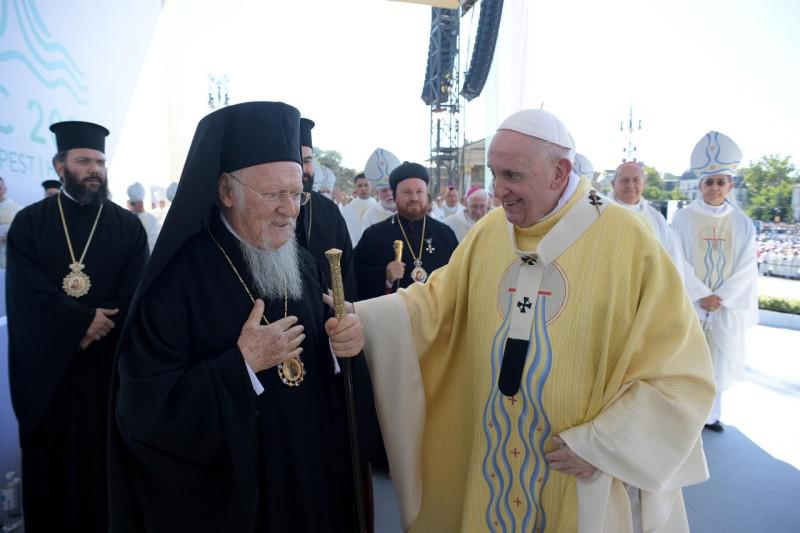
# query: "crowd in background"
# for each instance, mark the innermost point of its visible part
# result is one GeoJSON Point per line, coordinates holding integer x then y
{"type": "Point", "coordinates": [779, 250]}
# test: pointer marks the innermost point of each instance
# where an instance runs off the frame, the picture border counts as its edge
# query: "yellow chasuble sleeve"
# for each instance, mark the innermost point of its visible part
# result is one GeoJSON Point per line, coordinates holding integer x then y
{"type": "Point", "coordinates": [617, 365]}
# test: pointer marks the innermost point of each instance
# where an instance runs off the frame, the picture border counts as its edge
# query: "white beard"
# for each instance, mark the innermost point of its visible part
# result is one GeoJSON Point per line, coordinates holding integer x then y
{"type": "Point", "coordinates": [274, 272]}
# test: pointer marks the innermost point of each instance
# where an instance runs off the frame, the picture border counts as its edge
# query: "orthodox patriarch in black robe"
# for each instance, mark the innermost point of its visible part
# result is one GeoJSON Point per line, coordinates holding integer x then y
{"type": "Point", "coordinates": [60, 392]}
{"type": "Point", "coordinates": [207, 450]}
{"type": "Point", "coordinates": [193, 447]}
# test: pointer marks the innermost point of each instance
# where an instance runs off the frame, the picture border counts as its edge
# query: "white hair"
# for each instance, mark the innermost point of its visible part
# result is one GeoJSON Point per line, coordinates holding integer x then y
{"type": "Point", "coordinates": [616, 172]}
{"type": "Point", "coordinates": [479, 193]}
{"type": "Point", "coordinates": [553, 152]}
{"type": "Point", "coordinates": [238, 192]}
{"type": "Point", "coordinates": [275, 272]}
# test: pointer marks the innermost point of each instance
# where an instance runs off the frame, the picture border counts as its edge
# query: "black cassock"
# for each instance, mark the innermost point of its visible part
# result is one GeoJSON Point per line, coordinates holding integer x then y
{"type": "Point", "coordinates": [196, 449]}
{"type": "Point", "coordinates": [320, 227]}
{"type": "Point", "coordinates": [376, 249]}
{"type": "Point", "coordinates": [60, 393]}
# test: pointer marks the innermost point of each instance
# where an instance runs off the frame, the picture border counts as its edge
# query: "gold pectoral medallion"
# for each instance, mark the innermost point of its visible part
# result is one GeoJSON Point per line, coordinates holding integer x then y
{"type": "Point", "coordinates": [419, 273]}
{"type": "Point", "coordinates": [292, 372]}
{"type": "Point", "coordinates": [76, 283]}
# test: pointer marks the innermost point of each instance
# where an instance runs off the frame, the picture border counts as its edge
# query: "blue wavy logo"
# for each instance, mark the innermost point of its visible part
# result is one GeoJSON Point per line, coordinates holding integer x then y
{"type": "Point", "coordinates": [714, 260]}
{"type": "Point", "coordinates": [46, 58]}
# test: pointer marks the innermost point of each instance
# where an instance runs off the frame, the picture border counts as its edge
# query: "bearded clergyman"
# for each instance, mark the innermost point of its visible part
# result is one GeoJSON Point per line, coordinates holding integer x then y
{"type": "Point", "coordinates": [74, 259]}
{"type": "Point", "coordinates": [227, 415]}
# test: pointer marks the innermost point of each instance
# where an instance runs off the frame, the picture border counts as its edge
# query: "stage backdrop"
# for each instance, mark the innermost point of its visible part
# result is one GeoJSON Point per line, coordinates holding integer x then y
{"type": "Point", "coordinates": [59, 60]}
{"type": "Point", "coordinates": [64, 60]}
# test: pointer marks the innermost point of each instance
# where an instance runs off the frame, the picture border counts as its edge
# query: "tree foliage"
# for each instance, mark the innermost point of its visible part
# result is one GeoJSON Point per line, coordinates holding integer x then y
{"type": "Point", "coordinates": [333, 160]}
{"type": "Point", "coordinates": [654, 185]}
{"type": "Point", "coordinates": [770, 181]}
{"type": "Point", "coordinates": [655, 188]}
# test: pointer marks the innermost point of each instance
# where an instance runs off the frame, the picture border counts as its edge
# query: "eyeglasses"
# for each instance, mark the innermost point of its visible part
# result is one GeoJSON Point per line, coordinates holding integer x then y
{"type": "Point", "coordinates": [298, 198]}
{"type": "Point", "coordinates": [709, 182]}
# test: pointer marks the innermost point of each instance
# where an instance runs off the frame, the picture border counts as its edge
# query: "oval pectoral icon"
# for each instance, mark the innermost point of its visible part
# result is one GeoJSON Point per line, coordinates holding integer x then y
{"type": "Point", "coordinates": [292, 372]}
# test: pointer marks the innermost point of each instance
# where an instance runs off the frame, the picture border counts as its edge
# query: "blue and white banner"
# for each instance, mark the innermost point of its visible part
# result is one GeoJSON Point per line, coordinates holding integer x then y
{"type": "Point", "coordinates": [62, 60]}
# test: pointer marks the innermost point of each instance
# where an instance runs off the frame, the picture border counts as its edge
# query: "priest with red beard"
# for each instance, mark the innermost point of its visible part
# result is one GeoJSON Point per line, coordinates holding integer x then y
{"type": "Point", "coordinates": [74, 260]}
{"type": "Point", "coordinates": [427, 243]}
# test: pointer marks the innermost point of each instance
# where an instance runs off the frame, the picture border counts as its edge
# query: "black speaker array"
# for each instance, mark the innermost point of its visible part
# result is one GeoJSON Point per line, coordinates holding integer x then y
{"type": "Point", "coordinates": [441, 56]}
{"type": "Point", "coordinates": [483, 53]}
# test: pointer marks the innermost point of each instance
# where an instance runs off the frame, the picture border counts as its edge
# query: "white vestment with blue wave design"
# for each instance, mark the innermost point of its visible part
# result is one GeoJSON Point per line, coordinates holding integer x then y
{"type": "Point", "coordinates": [719, 246]}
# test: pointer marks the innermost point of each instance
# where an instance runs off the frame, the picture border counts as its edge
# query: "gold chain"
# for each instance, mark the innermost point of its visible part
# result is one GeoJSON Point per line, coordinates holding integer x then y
{"type": "Point", "coordinates": [421, 240]}
{"type": "Point", "coordinates": [66, 232]}
{"type": "Point", "coordinates": [250, 294]}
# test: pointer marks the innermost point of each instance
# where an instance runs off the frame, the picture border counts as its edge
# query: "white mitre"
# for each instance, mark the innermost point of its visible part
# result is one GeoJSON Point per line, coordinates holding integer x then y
{"type": "Point", "coordinates": [379, 165]}
{"type": "Point", "coordinates": [171, 190]}
{"type": "Point", "coordinates": [714, 154]}
{"type": "Point", "coordinates": [583, 167]}
{"type": "Point", "coordinates": [136, 192]}
{"type": "Point", "coordinates": [324, 178]}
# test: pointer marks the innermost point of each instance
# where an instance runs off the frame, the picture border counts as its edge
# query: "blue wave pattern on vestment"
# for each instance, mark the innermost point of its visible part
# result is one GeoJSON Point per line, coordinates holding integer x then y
{"type": "Point", "coordinates": [714, 261]}
{"type": "Point", "coordinates": [499, 480]}
{"type": "Point", "coordinates": [533, 473]}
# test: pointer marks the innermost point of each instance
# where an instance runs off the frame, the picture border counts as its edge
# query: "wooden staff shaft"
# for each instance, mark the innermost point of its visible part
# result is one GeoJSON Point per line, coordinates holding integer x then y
{"type": "Point", "coordinates": [334, 259]}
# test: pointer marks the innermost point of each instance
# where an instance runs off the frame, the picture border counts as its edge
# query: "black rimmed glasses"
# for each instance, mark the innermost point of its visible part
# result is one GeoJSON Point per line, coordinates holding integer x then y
{"type": "Point", "coordinates": [298, 198]}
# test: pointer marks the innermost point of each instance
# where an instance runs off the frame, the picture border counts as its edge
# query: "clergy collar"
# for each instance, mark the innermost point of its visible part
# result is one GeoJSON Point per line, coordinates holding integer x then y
{"type": "Point", "coordinates": [700, 207]}
{"type": "Point", "coordinates": [638, 206]}
{"type": "Point", "coordinates": [572, 185]}
{"type": "Point", "coordinates": [64, 192]}
{"type": "Point", "coordinates": [716, 209]}
{"type": "Point", "coordinates": [410, 222]}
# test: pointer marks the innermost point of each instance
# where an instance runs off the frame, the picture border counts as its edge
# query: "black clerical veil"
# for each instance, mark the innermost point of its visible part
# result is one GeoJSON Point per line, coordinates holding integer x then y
{"type": "Point", "coordinates": [226, 140]}
{"type": "Point", "coordinates": [306, 125]}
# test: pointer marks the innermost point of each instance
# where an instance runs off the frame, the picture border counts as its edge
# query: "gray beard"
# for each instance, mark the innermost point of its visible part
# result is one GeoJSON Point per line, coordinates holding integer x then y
{"type": "Point", "coordinates": [274, 272]}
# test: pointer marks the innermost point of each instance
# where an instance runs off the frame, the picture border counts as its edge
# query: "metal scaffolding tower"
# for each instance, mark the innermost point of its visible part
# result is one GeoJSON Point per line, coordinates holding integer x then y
{"type": "Point", "coordinates": [441, 93]}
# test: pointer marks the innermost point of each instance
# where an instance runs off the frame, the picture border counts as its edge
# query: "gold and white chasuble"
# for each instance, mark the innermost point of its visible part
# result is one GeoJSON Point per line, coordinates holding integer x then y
{"type": "Point", "coordinates": [614, 362]}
